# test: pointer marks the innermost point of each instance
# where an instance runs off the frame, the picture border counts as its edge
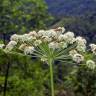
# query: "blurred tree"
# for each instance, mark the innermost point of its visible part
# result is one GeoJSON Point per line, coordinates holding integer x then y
{"type": "Point", "coordinates": [22, 15]}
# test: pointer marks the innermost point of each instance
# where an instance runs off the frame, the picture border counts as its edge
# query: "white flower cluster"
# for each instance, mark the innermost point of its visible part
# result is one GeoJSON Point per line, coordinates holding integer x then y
{"type": "Point", "coordinates": [67, 37]}
{"type": "Point", "coordinates": [81, 47]}
{"type": "Point", "coordinates": [93, 48]}
{"type": "Point", "coordinates": [55, 38]}
{"type": "Point", "coordinates": [72, 53]}
{"type": "Point", "coordinates": [78, 58]}
{"type": "Point", "coordinates": [81, 44]}
{"type": "Point", "coordinates": [28, 50]}
{"type": "Point", "coordinates": [91, 64]}
{"type": "Point", "coordinates": [15, 37]}
{"type": "Point", "coordinates": [11, 45]}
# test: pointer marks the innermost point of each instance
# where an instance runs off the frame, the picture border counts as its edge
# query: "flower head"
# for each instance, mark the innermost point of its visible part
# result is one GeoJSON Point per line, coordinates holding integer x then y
{"type": "Point", "coordinates": [63, 45]}
{"type": "Point", "coordinates": [37, 42]}
{"type": "Point", "coordinates": [54, 45]}
{"type": "Point", "coordinates": [41, 32]}
{"type": "Point", "coordinates": [33, 33]}
{"type": "Point", "coordinates": [22, 46]}
{"type": "Point", "coordinates": [93, 48]}
{"type": "Point", "coordinates": [72, 53]}
{"type": "Point", "coordinates": [61, 37]}
{"type": "Point", "coordinates": [11, 45]}
{"type": "Point", "coordinates": [14, 37]}
{"type": "Point", "coordinates": [51, 33]}
{"type": "Point", "coordinates": [81, 44]}
{"type": "Point", "coordinates": [78, 58]}
{"type": "Point", "coordinates": [29, 50]}
{"type": "Point", "coordinates": [46, 39]}
{"type": "Point", "coordinates": [69, 37]}
{"type": "Point", "coordinates": [91, 64]}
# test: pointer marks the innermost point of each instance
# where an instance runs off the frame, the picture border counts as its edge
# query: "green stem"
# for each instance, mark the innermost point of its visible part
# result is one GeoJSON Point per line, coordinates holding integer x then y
{"type": "Point", "coordinates": [51, 77]}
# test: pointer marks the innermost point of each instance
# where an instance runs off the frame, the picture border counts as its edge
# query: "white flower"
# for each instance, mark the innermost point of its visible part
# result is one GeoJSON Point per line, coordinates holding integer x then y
{"type": "Point", "coordinates": [61, 37]}
{"type": "Point", "coordinates": [70, 34]}
{"type": "Point", "coordinates": [29, 50]}
{"type": "Point", "coordinates": [23, 38]}
{"type": "Point", "coordinates": [50, 33]}
{"type": "Point", "coordinates": [81, 48]}
{"type": "Point", "coordinates": [69, 37]}
{"type": "Point", "coordinates": [26, 38]}
{"type": "Point", "coordinates": [41, 32]}
{"type": "Point", "coordinates": [63, 45]}
{"type": "Point", "coordinates": [72, 53]}
{"type": "Point", "coordinates": [33, 33]}
{"type": "Point", "coordinates": [14, 37]}
{"type": "Point", "coordinates": [37, 42]}
{"type": "Point", "coordinates": [78, 58]}
{"type": "Point", "coordinates": [54, 45]}
{"type": "Point", "coordinates": [91, 64]}
{"type": "Point", "coordinates": [93, 48]}
{"type": "Point", "coordinates": [81, 41]}
{"type": "Point", "coordinates": [11, 45]}
{"type": "Point", "coordinates": [81, 44]}
{"type": "Point", "coordinates": [19, 38]}
{"type": "Point", "coordinates": [1, 46]}
{"type": "Point", "coordinates": [22, 46]}
{"type": "Point", "coordinates": [46, 39]}
{"type": "Point", "coordinates": [31, 39]}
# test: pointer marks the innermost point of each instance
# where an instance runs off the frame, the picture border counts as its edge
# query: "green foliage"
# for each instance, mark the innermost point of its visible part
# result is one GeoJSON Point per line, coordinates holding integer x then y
{"type": "Point", "coordinates": [26, 77]}
{"type": "Point", "coordinates": [82, 82]}
{"type": "Point", "coordinates": [1, 42]}
{"type": "Point", "coordinates": [22, 15]}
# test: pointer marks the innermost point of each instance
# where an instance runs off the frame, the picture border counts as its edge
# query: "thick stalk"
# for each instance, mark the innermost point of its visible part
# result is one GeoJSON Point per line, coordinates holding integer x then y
{"type": "Point", "coordinates": [51, 77]}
